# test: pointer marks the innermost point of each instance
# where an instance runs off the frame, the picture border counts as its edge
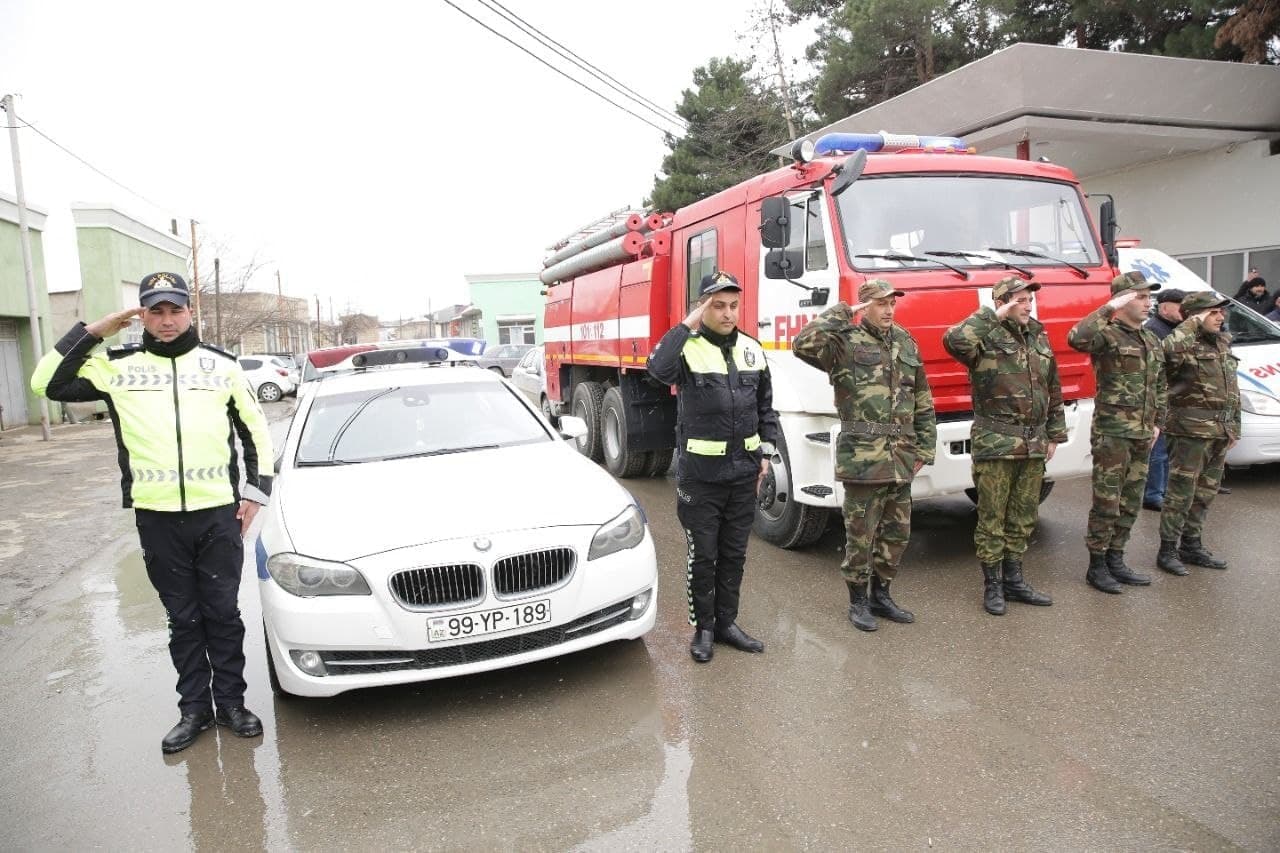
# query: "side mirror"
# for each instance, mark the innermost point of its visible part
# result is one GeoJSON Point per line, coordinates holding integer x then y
{"type": "Point", "coordinates": [849, 172]}
{"type": "Point", "coordinates": [572, 428]}
{"type": "Point", "coordinates": [783, 263]}
{"type": "Point", "coordinates": [775, 222]}
{"type": "Point", "coordinates": [1109, 228]}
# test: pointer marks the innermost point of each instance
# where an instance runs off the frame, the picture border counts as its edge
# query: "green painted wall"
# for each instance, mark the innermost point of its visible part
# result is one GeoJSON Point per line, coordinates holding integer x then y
{"type": "Point", "coordinates": [506, 297]}
{"type": "Point", "coordinates": [13, 303]}
{"type": "Point", "coordinates": [109, 259]}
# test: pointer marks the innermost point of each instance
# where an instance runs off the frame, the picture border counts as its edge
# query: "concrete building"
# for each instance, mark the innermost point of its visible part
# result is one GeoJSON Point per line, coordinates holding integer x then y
{"type": "Point", "coordinates": [256, 322]}
{"type": "Point", "coordinates": [510, 306]}
{"type": "Point", "coordinates": [1189, 148]}
{"type": "Point", "coordinates": [18, 406]}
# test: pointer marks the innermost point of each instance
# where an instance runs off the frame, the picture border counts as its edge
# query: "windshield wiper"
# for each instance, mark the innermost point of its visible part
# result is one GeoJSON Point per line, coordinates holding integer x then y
{"type": "Point", "coordinates": [900, 258]}
{"type": "Point", "coordinates": [1023, 253]}
{"type": "Point", "coordinates": [444, 451]}
{"type": "Point", "coordinates": [949, 253]}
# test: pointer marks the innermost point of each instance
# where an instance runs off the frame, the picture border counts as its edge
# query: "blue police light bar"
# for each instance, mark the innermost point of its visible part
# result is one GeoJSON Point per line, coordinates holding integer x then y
{"type": "Point", "coordinates": [847, 143]}
{"type": "Point", "coordinates": [403, 355]}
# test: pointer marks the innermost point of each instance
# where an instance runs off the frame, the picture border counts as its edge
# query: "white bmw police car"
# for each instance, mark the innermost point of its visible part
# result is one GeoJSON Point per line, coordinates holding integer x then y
{"type": "Point", "coordinates": [381, 560]}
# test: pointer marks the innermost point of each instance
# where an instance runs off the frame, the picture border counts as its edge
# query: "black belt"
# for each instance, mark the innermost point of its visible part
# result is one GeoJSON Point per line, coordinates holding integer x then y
{"type": "Point", "coordinates": [1027, 432]}
{"type": "Point", "coordinates": [873, 428]}
{"type": "Point", "coordinates": [1223, 415]}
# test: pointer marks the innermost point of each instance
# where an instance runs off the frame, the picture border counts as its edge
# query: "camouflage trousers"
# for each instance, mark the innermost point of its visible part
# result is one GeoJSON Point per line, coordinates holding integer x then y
{"type": "Point", "coordinates": [877, 527]}
{"type": "Point", "coordinates": [1008, 505]}
{"type": "Point", "coordinates": [1195, 474]}
{"type": "Point", "coordinates": [1119, 479]}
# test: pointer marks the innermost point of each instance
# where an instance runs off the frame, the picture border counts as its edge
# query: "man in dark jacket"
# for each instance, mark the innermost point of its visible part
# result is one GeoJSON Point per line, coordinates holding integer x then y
{"type": "Point", "coordinates": [725, 433]}
{"type": "Point", "coordinates": [1167, 317]}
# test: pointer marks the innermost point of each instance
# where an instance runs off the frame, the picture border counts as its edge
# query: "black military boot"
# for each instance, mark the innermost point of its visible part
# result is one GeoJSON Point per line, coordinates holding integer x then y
{"type": "Point", "coordinates": [1121, 572]}
{"type": "Point", "coordinates": [738, 638]}
{"type": "Point", "coordinates": [883, 605]}
{"type": "Point", "coordinates": [1168, 560]}
{"type": "Point", "coordinates": [1017, 589]}
{"type": "Point", "coordinates": [185, 732]}
{"type": "Point", "coordinates": [1099, 577]}
{"type": "Point", "coordinates": [240, 720]}
{"type": "Point", "coordinates": [702, 646]}
{"type": "Point", "coordinates": [860, 608]}
{"type": "Point", "coordinates": [992, 589]}
{"type": "Point", "coordinates": [1193, 551]}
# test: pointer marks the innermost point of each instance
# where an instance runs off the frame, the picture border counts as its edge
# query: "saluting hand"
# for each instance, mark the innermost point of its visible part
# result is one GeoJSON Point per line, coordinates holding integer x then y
{"type": "Point", "coordinates": [856, 309]}
{"type": "Point", "coordinates": [113, 323]}
{"type": "Point", "coordinates": [694, 320]}
{"type": "Point", "coordinates": [1003, 310]}
{"type": "Point", "coordinates": [1118, 302]}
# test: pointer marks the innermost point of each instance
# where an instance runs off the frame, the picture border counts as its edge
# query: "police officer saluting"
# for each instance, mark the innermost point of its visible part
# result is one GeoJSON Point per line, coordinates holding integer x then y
{"type": "Point", "coordinates": [1203, 424]}
{"type": "Point", "coordinates": [177, 406]}
{"type": "Point", "coordinates": [725, 431]}
{"type": "Point", "coordinates": [1018, 423]}
{"type": "Point", "coordinates": [1128, 413]}
{"type": "Point", "coordinates": [887, 433]}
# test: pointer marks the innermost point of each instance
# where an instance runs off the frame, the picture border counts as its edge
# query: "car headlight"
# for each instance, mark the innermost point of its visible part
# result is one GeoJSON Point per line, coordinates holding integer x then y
{"type": "Point", "coordinates": [308, 577]}
{"type": "Point", "coordinates": [625, 530]}
{"type": "Point", "coordinates": [1257, 403]}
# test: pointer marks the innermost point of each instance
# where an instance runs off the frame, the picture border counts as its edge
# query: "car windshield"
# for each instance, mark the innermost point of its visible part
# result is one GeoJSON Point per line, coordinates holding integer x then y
{"type": "Point", "coordinates": [415, 420]}
{"type": "Point", "coordinates": [1249, 327]}
{"type": "Point", "coordinates": [1037, 223]}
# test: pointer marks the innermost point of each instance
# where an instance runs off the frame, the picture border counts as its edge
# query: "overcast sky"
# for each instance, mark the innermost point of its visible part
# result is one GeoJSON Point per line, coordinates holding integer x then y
{"type": "Point", "coordinates": [375, 154]}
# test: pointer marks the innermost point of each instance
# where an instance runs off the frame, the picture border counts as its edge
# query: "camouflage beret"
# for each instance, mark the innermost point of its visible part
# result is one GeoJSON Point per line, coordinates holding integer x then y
{"type": "Point", "coordinates": [1202, 300]}
{"type": "Point", "coordinates": [877, 288]}
{"type": "Point", "coordinates": [1132, 280]}
{"type": "Point", "coordinates": [1010, 285]}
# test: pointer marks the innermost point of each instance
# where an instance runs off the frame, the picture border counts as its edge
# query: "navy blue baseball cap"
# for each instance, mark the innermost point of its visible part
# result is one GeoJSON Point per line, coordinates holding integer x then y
{"type": "Point", "coordinates": [163, 287]}
{"type": "Point", "coordinates": [718, 281]}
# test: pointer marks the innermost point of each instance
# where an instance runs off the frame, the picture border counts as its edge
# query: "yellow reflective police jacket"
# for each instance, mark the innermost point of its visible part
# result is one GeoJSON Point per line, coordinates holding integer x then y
{"type": "Point", "coordinates": [175, 419]}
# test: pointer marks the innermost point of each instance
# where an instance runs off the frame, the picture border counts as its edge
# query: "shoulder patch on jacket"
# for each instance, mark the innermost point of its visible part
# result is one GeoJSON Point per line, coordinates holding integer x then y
{"type": "Point", "coordinates": [219, 350]}
{"type": "Point", "coordinates": [123, 350]}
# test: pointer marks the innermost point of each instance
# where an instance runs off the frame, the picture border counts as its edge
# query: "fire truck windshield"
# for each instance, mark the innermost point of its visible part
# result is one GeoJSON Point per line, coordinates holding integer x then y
{"type": "Point", "coordinates": [964, 217]}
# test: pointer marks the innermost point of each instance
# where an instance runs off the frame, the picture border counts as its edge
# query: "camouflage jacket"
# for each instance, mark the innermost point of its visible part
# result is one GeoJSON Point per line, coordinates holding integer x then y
{"type": "Point", "coordinates": [1204, 393]}
{"type": "Point", "coordinates": [1128, 365]}
{"type": "Point", "coordinates": [880, 392]}
{"type": "Point", "coordinates": [1015, 384]}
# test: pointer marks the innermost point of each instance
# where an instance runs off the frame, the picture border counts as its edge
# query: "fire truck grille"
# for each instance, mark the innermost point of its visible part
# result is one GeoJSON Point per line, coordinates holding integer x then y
{"type": "Point", "coordinates": [536, 570]}
{"type": "Point", "coordinates": [433, 586]}
{"type": "Point", "coordinates": [361, 662]}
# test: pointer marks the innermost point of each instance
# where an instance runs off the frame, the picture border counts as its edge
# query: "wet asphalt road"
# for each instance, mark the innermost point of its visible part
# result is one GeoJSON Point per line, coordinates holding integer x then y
{"type": "Point", "coordinates": [1149, 720]}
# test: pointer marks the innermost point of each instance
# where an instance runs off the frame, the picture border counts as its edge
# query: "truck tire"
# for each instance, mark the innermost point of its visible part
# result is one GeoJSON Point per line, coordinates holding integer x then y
{"type": "Point", "coordinates": [621, 461]}
{"type": "Point", "coordinates": [660, 463]}
{"type": "Point", "coordinates": [585, 404]}
{"type": "Point", "coordinates": [781, 520]}
{"type": "Point", "coordinates": [1045, 488]}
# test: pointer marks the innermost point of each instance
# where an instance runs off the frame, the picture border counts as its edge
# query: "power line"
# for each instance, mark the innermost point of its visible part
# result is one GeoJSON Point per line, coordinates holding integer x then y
{"type": "Point", "coordinates": [600, 74]}
{"type": "Point", "coordinates": [559, 71]}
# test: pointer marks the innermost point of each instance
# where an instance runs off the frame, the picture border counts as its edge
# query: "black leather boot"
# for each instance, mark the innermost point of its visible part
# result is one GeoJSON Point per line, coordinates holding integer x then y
{"type": "Point", "coordinates": [860, 608]}
{"type": "Point", "coordinates": [1168, 559]}
{"type": "Point", "coordinates": [1099, 577]}
{"type": "Point", "coordinates": [240, 720]}
{"type": "Point", "coordinates": [992, 589]}
{"type": "Point", "coordinates": [883, 605]}
{"type": "Point", "coordinates": [185, 732]}
{"type": "Point", "coordinates": [1193, 551]}
{"type": "Point", "coordinates": [702, 646]}
{"type": "Point", "coordinates": [739, 639]}
{"type": "Point", "coordinates": [1122, 573]}
{"type": "Point", "coordinates": [1017, 589]}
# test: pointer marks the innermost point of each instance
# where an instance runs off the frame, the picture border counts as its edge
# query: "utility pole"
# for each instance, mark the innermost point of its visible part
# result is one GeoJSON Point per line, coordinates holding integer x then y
{"type": "Point", "coordinates": [782, 76]}
{"type": "Point", "coordinates": [24, 239]}
{"type": "Point", "coordinates": [217, 300]}
{"type": "Point", "coordinates": [281, 327]}
{"type": "Point", "coordinates": [195, 282]}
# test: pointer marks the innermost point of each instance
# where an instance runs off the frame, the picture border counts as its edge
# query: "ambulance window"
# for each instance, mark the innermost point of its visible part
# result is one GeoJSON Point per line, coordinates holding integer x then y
{"type": "Point", "coordinates": [702, 261]}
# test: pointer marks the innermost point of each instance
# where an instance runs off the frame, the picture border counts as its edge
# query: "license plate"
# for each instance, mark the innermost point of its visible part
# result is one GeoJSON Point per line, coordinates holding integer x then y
{"type": "Point", "coordinates": [483, 622]}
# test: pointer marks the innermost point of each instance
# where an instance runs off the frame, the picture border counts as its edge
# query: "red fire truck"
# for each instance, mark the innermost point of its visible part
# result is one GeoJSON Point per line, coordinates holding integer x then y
{"type": "Point", "coordinates": [938, 221]}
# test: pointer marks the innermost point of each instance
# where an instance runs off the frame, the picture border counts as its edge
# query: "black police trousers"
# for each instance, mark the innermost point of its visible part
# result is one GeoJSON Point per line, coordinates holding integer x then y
{"type": "Point", "coordinates": [193, 560]}
{"type": "Point", "coordinates": [717, 519]}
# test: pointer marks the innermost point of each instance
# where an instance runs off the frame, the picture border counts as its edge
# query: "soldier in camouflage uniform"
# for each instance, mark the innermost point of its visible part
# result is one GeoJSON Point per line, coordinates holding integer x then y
{"type": "Point", "coordinates": [887, 434]}
{"type": "Point", "coordinates": [1129, 410]}
{"type": "Point", "coordinates": [1203, 424]}
{"type": "Point", "coordinates": [1018, 423]}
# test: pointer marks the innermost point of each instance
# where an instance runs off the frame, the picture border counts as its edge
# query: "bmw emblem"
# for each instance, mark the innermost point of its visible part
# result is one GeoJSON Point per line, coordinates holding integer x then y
{"type": "Point", "coordinates": [482, 544]}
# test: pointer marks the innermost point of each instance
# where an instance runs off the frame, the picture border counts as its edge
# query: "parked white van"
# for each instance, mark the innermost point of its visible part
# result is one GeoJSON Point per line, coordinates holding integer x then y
{"type": "Point", "coordinates": [1255, 341]}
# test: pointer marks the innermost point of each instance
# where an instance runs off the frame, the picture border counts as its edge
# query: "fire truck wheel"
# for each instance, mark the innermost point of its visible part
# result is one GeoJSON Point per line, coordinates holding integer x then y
{"type": "Point", "coordinates": [586, 405]}
{"type": "Point", "coordinates": [660, 462]}
{"type": "Point", "coordinates": [780, 518]}
{"type": "Point", "coordinates": [618, 458]}
{"type": "Point", "coordinates": [1045, 488]}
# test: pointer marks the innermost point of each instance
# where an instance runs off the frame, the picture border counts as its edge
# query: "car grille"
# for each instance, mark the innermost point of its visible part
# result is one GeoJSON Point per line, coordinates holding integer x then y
{"type": "Point", "coordinates": [536, 570]}
{"type": "Point", "coordinates": [354, 662]}
{"type": "Point", "coordinates": [460, 583]}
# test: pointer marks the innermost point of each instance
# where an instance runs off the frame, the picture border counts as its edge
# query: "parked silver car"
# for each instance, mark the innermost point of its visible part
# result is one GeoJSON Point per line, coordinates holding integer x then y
{"type": "Point", "coordinates": [503, 358]}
